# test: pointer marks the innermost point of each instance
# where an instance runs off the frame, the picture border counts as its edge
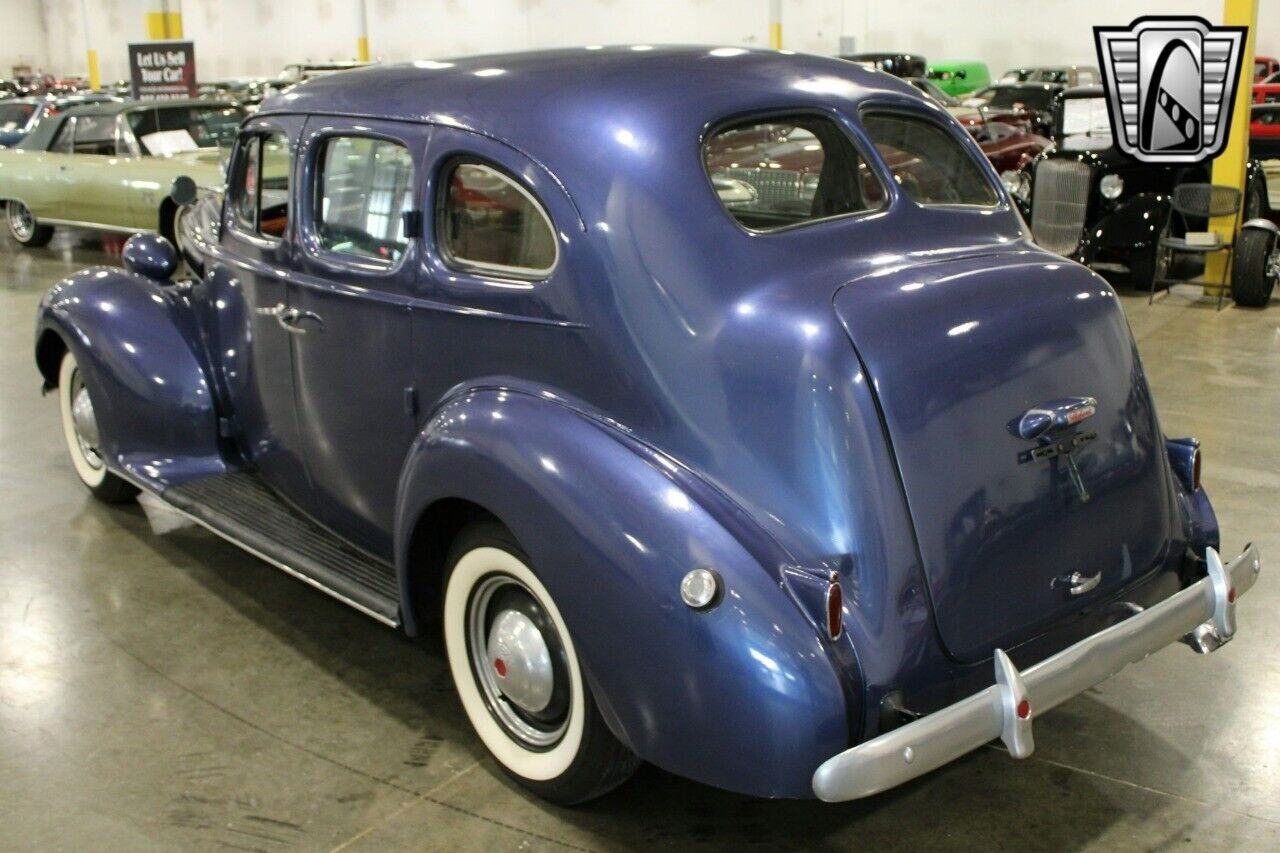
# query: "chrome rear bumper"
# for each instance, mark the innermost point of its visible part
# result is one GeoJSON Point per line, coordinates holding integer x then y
{"type": "Point", "coordinates": [1203, 614]}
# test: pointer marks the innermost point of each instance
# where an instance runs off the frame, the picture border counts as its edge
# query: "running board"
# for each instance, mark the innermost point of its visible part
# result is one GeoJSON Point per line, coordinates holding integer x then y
{"type": "Point", "coordinates": [242, 509]}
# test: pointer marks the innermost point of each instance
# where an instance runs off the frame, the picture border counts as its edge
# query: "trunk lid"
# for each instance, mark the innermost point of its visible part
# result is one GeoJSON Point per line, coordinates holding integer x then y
{"type": "Point", "coordinates": [958, 352]}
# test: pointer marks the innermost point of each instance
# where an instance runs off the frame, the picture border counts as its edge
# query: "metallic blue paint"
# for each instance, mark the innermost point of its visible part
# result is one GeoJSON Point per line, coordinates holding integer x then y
{"type": "Point", "coordinates": [141, 353]}
{"type": "Point", "coordinates": [150, 256]}
{"type": "Point", "coordinates": [677, 392]}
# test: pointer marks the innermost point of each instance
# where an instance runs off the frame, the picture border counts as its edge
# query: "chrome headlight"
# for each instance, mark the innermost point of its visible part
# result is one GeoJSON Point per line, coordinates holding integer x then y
{"type": "Point", "coordinates": [1111, 186]}
{"type": "Point", "coordinates": [1017, 183]}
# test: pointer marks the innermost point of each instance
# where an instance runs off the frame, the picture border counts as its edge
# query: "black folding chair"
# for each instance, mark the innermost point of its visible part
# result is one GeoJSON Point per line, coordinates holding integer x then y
{"type": "Point", "coordinates": [1201, 202]}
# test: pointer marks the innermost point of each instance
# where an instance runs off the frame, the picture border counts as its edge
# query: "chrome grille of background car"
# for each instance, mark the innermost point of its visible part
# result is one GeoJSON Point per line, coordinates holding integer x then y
{"type": "Point", "coordinates": [775, 188]}
{"type": "Point", "coordinates": [1058, 203]}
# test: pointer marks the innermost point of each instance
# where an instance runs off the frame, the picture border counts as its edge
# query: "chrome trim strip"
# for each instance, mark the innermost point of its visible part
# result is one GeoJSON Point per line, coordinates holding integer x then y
{"type": "Point", "coordinates": [1207, 607]}
{"type": "Point", "coordinates": [96, 226]}
{"type": "Point", "coordinates": [307, 579]}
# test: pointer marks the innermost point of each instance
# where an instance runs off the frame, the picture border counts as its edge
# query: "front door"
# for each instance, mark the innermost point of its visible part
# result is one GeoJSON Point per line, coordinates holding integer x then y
{"type": "Point", "coordinates": [350, 293]}
{"type": "Point", "coordinates": [254, 338]}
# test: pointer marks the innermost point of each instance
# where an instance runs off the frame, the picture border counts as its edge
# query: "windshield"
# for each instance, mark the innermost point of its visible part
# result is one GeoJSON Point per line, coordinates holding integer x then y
{"type": "Point", "coordinates": [1010, 98]}
{"type": "Point", "coordinates": [169, 130]}
{"type": "Point", "coordinates": [15, 116]}
{"type": "Point", "coordinates": [1085, 124]}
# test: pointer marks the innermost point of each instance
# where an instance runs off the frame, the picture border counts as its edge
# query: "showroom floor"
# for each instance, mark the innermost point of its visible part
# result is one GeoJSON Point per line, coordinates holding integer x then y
{"type": "Point", "coordinates": [173, 692]}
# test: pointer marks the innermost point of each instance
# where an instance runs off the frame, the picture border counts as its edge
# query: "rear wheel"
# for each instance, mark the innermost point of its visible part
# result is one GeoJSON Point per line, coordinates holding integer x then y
{"type": "Point", "coordinates": [84, 442]}
{"type": "Point", "coordinates": [518, 676]}
{"type": "Point", "coordinates": [24, 228]}
{"type": "Point", "coordinates": [1252, 275]}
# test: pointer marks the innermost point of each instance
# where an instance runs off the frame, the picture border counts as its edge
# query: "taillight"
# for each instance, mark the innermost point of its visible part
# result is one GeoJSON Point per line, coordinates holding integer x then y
{"type": "Point", "coordinates": [1195, 470]}
{"type": "Point", "coordinates": [835, 610]}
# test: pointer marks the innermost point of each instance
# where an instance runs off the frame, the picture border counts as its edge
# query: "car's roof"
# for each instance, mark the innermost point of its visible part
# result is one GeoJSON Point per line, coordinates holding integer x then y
{"type": "Point", "coordinates": [40, 138]}
{"type": "Point", "coordinates": [508, 92]}
{"type": "Point", "coordinates": [587, 115]}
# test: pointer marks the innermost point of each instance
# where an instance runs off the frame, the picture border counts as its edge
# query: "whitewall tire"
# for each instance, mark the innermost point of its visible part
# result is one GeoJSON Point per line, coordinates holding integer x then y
{"type": "Point", "coordinates": [518, 675]}
{"type": "Point", "coordinates": [84, 442]}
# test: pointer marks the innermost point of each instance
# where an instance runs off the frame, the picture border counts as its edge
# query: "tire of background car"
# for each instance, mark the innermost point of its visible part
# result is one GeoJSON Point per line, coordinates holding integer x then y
{"type": "Point", "coordinates": [23, 226]}
{"type": "Point", "coordinates": [1251, 280]}
{"type": "Point", "coordinates": [1146, 267]}
{"type": "Point", "coordinates": [1255, 200]}
{"type": "Point", "coordinates": [517, 673]}
{"type": "Point", "coordinates": [80, 430]}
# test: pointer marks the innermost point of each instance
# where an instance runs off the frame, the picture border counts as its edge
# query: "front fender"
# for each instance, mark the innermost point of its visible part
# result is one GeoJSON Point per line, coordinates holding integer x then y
{"type": "Point", "coordinates": [1131, 225]}
{"type": "Point", "coordinates": [138, 347]}
{"type": "Point", "coordinates": [743, 696]}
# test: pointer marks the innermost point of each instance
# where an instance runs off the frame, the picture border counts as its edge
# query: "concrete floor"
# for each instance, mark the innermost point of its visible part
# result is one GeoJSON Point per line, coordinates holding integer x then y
{"type": "Point", "coordinates": [172, 692]}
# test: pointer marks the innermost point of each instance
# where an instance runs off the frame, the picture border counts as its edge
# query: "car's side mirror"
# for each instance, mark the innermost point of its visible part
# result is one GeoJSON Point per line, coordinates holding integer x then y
{"type": "Point", "coordinates": [150, 255]}
{"type": "Point", "coordinates": [183, 190]}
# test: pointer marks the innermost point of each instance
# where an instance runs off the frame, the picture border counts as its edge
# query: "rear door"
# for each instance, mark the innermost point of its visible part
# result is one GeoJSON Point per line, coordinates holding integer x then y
{"type": "Point", "coordinates": [351, 289]}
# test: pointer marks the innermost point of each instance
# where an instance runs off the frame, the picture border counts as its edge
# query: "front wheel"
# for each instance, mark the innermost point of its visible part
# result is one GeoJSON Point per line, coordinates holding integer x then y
{"type": "Point", "coordinates": [518, 676]}
{"type": "Point", "coordinates": [1252, 275]}
{"type": "Point", "coordinates": [24, 228]}
{"type": "Point", "coordinates": [84, 441]}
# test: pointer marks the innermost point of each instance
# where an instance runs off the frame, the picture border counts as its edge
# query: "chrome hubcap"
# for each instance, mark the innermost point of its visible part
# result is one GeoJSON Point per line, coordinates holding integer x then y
{"type": "Point", "coordinates": [519, 661]}
{"type": "Point", "coordinates": [84, 422]}
{"type": "Point", "coordinates": [21, 222]}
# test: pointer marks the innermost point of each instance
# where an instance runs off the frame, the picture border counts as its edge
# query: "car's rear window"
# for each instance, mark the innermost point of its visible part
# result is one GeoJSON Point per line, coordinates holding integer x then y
{"type": "Point", "coordinates": [927, 162]}
{"type": "Point", "coordinates": [781, 171]}
{"type": "Point", "coordinates": [15, 116]}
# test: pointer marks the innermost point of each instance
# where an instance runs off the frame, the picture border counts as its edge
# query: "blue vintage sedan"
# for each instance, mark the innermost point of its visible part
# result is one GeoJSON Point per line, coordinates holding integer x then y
{"type": "Point", "coordinates": [714, 403]}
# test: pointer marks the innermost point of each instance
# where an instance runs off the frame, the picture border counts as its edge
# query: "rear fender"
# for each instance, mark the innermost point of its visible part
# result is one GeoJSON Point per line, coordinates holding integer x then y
{"type": "Point", "coordinates": [744, 695]}
{"type": "Point", "coordinates": [139, 349]}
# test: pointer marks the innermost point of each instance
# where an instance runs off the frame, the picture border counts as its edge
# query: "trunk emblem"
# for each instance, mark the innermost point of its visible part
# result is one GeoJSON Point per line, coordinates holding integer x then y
{"type": "Point", "coordinates": [1038, 422]}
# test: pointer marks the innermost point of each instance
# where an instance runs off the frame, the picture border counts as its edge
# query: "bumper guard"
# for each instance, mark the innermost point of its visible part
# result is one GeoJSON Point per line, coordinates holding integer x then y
{"type": "Point", "coordinates": [1203, 615]}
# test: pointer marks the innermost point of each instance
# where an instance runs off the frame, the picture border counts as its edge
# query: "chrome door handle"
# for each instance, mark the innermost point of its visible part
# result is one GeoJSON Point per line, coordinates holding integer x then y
{"type": "Point", "coordinates": [290, 318]}
{"type": "Point", "coordinates": [1078, 584]}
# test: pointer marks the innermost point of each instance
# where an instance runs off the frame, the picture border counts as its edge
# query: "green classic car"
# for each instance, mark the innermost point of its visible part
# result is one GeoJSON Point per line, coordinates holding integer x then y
{"type": "Point", "coordinates": [110, 166]}
{"type": "Point", "coordinates": [960, 77]}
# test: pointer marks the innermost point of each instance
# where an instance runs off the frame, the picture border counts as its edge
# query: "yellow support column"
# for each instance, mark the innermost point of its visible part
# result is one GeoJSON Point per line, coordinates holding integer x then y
{"type": "Point", "coordinates": [1229, 167]}
{"type": "Point", "coordinates": [91, 55]}
{"type": "Point", "coordinates": [362, 32]}
{"type": "Point", "coordinates": [775, 24]}
{"type": "Point", "coordinates": [164, 24]}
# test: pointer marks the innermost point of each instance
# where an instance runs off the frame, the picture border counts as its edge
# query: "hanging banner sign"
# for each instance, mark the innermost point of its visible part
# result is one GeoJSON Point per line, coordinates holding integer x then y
{"type": "Point", "coordinates": [162, 70]}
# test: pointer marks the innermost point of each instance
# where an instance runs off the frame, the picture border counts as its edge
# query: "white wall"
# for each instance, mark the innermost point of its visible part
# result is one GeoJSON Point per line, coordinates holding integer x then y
{"type": "Point", "coordinates": [22, 35]}
{"type": "Point", "coordinates": [258, 37]}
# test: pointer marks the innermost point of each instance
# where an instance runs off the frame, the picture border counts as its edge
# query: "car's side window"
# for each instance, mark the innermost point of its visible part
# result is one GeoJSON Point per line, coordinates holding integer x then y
{"type": "Point", "coordinates": [95, 135]}
{"type": "Point", "coordinates": [63, 142]}
{"type": "Point", "coordinates": [364, 188]}
{"type": "Point", "coordinates": [486, 220]}
{"type": "Point", "coordinates": [260, 186]}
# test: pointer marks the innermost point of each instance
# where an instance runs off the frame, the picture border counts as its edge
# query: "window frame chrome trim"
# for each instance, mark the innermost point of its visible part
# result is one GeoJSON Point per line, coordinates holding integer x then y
{"type": "Point", "coordinates": [309, 231]}
{"type": "Point", "coordinates": [524, 275]}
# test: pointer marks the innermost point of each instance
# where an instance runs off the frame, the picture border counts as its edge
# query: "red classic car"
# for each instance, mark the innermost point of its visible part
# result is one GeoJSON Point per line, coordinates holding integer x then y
{"type": "Point", "coordinates": [1264, 132]}
{"type": "Point", "coordinates": [1264, 67]}
{"type": "Point", "coordinates": [1266, 93]}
